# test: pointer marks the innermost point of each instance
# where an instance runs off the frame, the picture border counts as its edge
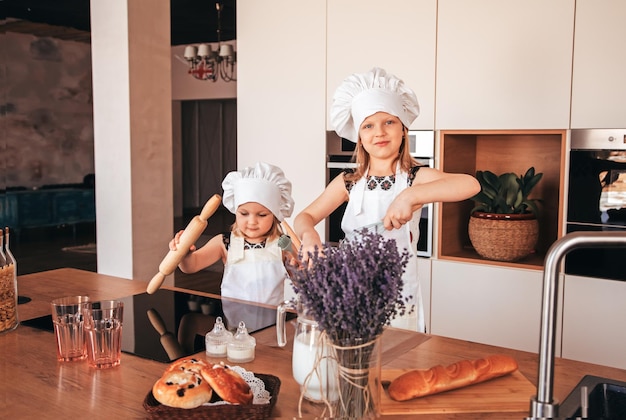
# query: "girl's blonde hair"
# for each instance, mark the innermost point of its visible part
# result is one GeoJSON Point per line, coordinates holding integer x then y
{"type": "Point", "coordinates": [274, 232]}
{"type": "Point", "coordinates": [362, 158]}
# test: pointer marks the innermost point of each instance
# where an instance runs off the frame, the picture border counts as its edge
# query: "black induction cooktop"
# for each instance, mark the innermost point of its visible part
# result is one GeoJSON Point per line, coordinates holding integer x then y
{"type": "Point", "coordinates": [167, 325]}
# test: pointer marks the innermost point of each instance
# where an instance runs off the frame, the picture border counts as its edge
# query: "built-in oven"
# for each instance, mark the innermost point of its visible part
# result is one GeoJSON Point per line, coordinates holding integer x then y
{"type": "Point", "coordinates": [597, 199]}
{"type": "Point", "coordinates": [339, 153]}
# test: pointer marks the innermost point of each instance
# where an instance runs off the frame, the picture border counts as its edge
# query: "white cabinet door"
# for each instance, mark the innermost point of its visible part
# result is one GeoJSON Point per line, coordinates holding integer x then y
{"type": "Point", "coordinates": [599, 84]}
{"type": "Point", "coordinates": [424, 276]}
{"type": "Point", "coordinates": [504, 64]}
{"type": "Point", "coordinates": [280, 104]}
{"type": "Point", "coordinates": [486, 304]}
{"type": "Point", "coordinates": [396, 35]}
{"type": "Point", "coordinates": [593, 314]}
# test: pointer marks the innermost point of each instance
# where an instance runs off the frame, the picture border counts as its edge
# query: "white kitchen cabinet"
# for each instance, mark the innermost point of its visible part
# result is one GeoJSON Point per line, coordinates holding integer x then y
{"type": "Point", "coordinates": [599, 85]}
{"type": "Point", "coordinates": [487, 304]}
{"type": "Point", "coordinates": [504, 64]}
{"type": "Point", "coordinates": [593, 314]}
{"type": "Point", "coordinates": [397, 35]}
{"type": "Point", "coordinates": [424, 276]}
{"type": "Point", "coordinates": [281, 85]}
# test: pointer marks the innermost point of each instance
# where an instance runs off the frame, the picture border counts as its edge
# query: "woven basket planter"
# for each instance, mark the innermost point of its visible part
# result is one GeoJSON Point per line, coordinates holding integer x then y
{"type": "Point", "coordinates": [503, 237]}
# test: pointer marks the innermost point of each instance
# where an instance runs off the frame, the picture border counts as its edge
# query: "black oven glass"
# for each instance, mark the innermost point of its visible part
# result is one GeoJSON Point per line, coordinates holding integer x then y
{"type": "Point", "coordinates": [347, 145]}
{"type": "Point", "coordinates": [597, 202]}
{"type": "Point", "coordinates": [171, 324]}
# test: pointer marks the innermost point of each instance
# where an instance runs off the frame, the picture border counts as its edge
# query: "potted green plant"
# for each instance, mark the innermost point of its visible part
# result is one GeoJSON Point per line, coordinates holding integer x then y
{"type": "Point", "coordinates": [503, 225]}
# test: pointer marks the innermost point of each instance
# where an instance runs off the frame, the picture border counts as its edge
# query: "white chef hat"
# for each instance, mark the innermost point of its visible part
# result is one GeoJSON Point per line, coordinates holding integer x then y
{"type": "Point", "coordinates": [264, 184]}
{"type": "Point", "coordinates": [364, 94]}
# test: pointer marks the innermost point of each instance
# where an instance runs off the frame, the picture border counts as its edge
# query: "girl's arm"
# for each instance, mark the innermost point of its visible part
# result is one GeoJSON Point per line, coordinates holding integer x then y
{"type": "Point", "coordinates": [430, 185]}
{"type": "Point", "coordinates": [203, 257]}
{"type": "Point", "coordinates": [304, 224]}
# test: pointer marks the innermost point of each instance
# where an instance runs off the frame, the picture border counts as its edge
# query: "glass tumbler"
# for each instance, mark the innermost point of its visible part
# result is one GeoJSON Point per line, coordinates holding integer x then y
{"type": "Point", "coordinates": [68, 320]}
{"type": "Point", "coordinates": [103, 331]}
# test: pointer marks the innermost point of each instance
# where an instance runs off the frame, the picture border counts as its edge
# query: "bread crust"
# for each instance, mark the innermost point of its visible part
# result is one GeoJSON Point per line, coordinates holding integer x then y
{"type": "Point", "coordinates": [182, 389]}
{"type": "Point", "coordinates": [228, 384]}
{"type": "Point", "coordinates": [421, 382]}
{"type": "Point", "coordinates": [189, 364]}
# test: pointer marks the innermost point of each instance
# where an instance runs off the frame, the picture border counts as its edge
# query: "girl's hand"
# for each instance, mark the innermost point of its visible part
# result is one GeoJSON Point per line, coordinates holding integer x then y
{"type": "Point", "coordinates": [173, 245]}
{"type": "Point", "coordinates": [400, 212]}
{"type": "Point", "coordinates": [290, 260]}
{"type": "Point", "coordinates": [311, 243]}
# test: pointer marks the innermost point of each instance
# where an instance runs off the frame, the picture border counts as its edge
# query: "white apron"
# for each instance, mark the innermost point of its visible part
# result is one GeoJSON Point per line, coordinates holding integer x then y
{"type": "Point", "coordinates": [368, 207]}
{"type": "Point", "coordinates": [257, 275]}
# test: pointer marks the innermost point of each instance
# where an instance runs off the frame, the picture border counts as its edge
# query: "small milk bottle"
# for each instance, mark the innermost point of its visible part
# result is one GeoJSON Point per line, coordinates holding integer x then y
{"type": "Point", "coordinates": [241, 348]}
{"type": "Point", "coordinates": [216, 340]}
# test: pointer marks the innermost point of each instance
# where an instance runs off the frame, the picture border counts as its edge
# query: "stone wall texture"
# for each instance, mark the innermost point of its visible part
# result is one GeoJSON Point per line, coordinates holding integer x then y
{"type": "Point", "coordinates": [46, 104]}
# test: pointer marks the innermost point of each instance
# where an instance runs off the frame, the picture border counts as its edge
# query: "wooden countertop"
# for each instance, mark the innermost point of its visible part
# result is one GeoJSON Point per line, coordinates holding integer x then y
{"type": "Point", "coordinates": [40, 385]}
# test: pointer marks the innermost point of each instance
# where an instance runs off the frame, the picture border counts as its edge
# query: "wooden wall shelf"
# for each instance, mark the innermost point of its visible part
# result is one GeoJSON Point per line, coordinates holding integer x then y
{"type": "Point", "coordinates": [503, 151]}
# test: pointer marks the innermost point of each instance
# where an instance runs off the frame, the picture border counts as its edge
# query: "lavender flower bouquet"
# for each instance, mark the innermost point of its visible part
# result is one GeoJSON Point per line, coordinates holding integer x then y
{"type": "Point", "coordinates": [354, 290]}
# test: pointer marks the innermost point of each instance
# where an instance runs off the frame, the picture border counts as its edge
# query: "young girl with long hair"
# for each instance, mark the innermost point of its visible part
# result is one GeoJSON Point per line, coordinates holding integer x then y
{"type": "Point", "coordinates": [388, 187]}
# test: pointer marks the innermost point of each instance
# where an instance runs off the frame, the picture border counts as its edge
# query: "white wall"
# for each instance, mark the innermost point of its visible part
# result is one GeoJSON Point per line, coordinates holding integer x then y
{"type": "Point", "coordinates": [132, 135]}
{"type": "Point", "coordinates": [281, 91]}
{"type": "Point", "coordinates": [111, 92]}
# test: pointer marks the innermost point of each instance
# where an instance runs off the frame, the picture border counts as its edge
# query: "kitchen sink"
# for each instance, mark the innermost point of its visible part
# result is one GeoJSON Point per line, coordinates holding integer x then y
{"type": "Point", "coordinates": [606, 400]}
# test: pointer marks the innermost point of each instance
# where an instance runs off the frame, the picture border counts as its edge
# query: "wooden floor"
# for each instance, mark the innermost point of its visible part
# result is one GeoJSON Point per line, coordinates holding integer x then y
{"type": "Point", "coordinates": [41, 249]}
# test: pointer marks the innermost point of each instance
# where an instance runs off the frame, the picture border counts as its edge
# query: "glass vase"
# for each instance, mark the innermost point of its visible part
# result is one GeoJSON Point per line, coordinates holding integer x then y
{"type": "Point", "coordinates": [358, 380]}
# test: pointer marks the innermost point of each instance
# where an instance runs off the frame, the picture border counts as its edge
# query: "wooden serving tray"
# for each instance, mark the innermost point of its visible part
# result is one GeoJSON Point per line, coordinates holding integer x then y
{"type": "Point", "coordinates": [510, 393]}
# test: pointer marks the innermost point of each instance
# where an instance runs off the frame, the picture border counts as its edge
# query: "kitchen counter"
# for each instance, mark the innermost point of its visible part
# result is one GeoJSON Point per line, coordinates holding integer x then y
{"type": "Point", "coordinates": [39, 385]}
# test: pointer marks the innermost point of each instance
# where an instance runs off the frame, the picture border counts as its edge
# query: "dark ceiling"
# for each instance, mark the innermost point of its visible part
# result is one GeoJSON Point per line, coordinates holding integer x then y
{"type": "Point", "coordinates": [192, 21]}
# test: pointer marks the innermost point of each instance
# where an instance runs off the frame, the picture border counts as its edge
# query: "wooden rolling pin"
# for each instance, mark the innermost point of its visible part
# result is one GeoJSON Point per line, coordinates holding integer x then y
{"type": "Point", "coordinates": [170, 344]}
{"type": "Point", "coordinates": [189, 237]}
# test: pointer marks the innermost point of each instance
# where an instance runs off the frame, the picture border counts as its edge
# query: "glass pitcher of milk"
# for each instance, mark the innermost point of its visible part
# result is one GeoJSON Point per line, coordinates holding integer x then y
{"type": "Point", "coordinates": [313, 367]}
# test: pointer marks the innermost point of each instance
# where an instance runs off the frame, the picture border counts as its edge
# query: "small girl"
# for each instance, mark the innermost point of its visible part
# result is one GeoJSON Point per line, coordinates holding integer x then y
{"type": "Point", "coordinates": [387, 188]}
{"type": "Point", "coordinates": [260, 198]}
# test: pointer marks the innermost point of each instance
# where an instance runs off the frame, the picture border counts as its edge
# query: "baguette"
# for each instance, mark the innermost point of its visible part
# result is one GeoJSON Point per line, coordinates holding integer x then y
{"type": "Point", "coordinates": [418, 383]}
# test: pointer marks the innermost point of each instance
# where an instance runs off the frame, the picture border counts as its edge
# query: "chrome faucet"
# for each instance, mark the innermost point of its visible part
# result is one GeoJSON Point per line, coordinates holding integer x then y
{"type": "Point", "coordinates": [543, 406]}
